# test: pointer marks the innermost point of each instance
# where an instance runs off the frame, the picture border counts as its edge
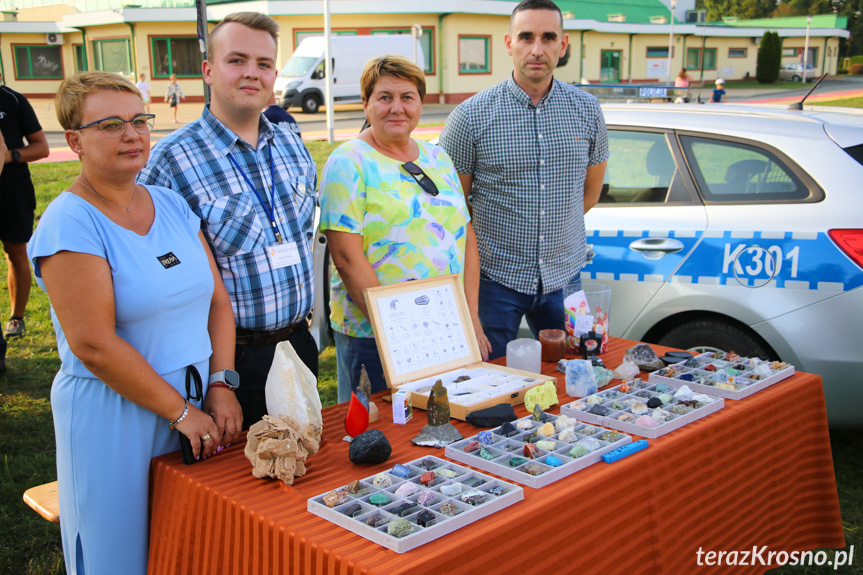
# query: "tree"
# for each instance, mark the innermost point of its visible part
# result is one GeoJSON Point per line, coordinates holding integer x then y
{"type": "Point", "coordinates": [769, 58]}
{"type": "Point", "coordinates": [742, 9]}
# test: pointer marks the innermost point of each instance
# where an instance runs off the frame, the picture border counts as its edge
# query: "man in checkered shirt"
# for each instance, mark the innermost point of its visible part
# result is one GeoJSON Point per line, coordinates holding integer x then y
{"type": "Point", "coordinates": [531, 154]}
{"type": "Point", "coordinates": [253, 186]}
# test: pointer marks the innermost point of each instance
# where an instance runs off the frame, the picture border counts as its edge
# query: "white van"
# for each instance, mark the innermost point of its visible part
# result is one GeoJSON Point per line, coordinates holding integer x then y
{"type": "Point", "coordinates": [302, 83]}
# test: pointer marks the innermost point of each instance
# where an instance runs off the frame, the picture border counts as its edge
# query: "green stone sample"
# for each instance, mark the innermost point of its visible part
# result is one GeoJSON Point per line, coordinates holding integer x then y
{"type": "Point", "coordinates": [438, 405]}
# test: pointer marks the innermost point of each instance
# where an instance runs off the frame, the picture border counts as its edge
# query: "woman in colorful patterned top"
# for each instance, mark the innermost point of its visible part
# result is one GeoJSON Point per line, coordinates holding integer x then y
{"type": "Point", "coordinates": [393, 210]}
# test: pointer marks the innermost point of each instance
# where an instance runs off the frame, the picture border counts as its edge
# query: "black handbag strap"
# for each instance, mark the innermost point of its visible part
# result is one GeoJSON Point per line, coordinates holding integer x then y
{"type": "Point", "coordinates": [193, 381]}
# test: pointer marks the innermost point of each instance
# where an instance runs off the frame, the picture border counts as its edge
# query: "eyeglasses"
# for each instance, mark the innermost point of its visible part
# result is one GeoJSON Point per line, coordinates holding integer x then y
{"type": "Point", "coordinates": [426, 182]}
{"type": "Point", "coordinates": [115, 127]}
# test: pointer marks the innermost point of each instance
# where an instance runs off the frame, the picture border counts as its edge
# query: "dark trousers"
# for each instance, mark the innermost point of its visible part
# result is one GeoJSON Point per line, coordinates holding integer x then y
{"type": "Point", "coordinates": [253, 361]}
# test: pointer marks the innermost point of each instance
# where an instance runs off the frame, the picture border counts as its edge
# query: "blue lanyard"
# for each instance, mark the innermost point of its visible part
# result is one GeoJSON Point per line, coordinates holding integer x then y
{"type": "Point", "coordinates": [270, 212]}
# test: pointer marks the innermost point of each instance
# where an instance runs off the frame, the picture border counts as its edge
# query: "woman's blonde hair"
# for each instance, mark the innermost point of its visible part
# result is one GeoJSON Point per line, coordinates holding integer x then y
{"type": "Point", "coordinates": [395, 66]}
{"type": "Point", "coordinates": [69, 100]}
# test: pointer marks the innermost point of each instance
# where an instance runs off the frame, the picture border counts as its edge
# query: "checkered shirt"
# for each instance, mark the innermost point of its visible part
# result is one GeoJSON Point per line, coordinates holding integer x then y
{"type": "Point", "coordinates": [194, 162]}
{"type": "Point", "coordinates": [528, 165]}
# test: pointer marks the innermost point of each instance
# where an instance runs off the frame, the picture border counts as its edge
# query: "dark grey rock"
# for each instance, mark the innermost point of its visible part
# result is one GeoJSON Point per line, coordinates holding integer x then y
{"type": "Point", "coordinates": [370, 447]}
{"type": "Point", "coordinates": [644, 356]}
{"type": "Point", "coordinates": [492, 416]}
{"type": "Point", "coordinates": [437, 436]}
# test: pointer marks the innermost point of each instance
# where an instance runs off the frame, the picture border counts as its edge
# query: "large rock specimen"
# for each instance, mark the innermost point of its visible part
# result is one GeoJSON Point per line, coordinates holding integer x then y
{"type": "Point", "coordinates": [279, 446]}
{"type": "Point", "coordinates": [370, 447]}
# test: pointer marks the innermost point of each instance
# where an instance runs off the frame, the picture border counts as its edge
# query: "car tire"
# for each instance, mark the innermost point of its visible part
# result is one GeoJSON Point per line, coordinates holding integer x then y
{"type": "Point", "coordinates": [311, 104]}
{"type": "Point", "coordinates": [716, 335]}
{"type": "Point", "coordinates": [796, 78]}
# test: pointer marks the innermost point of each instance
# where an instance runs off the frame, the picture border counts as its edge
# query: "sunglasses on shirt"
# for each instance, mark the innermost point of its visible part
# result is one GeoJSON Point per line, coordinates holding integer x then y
{"type": "Point", "coordinates": [421, 178]}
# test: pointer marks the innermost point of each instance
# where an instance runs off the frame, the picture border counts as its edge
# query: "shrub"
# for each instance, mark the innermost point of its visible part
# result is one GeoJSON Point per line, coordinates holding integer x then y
{"type": "Point", "coordinates": [856, 69]}
{"type": "Point", "coordinates": [769, 58]}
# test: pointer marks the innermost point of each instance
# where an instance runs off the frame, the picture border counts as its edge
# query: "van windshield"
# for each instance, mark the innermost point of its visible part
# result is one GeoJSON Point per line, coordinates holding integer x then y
{"type": "Point", "coordinates": [297, 67]}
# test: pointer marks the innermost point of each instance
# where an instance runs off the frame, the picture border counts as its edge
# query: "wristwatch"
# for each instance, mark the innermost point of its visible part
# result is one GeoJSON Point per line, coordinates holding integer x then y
{"type": "Point", "coordinates": [16, 155]}
{"type": "Point", "coordinates": [225, 378]}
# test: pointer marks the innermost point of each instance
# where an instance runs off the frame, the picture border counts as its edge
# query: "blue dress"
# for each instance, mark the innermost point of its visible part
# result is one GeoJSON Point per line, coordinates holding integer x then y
{"type": "Point", "coordinates": [105, 442]}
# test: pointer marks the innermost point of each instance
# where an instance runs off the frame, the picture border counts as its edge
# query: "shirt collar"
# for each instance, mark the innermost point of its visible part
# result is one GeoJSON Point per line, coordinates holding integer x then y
{"type": "Point", "coordinates": [227, 139]}
{"type": "Point", "coordinates": [522, 97]}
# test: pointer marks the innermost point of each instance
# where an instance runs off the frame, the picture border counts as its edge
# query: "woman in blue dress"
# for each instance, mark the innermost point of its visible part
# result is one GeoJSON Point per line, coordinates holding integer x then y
{"type": "Point", "coordinates": [136, 301]}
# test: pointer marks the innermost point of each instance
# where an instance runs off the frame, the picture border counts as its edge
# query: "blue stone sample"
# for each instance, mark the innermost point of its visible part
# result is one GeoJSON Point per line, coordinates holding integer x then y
{"type": "Point", "coordinates": [400, 470]}
{"type": "Point", "coordinates": [486, 437]}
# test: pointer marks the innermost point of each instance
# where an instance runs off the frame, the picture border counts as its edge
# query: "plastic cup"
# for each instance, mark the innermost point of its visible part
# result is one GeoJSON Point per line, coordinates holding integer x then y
{"type": "Point", "coordinates": [524, 354]}
{"type": "Point", "coordinates": [598, 297]}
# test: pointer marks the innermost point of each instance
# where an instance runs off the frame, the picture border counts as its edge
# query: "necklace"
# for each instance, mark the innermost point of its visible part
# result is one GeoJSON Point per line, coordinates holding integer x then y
{"type": "Point", "coordinates": [128, 211]}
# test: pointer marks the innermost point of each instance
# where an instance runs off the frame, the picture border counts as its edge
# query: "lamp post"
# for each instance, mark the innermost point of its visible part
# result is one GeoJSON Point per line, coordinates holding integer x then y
{"type": "Point", "coordinates": [671, 8]}
{"type": "Point", "coordinates": [806, 48]}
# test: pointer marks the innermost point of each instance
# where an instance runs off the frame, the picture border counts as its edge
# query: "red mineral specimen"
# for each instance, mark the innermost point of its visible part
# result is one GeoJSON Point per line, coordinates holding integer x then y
{"type": "Point", "coordinates": [710, 367]}
{"type": "Point", "coordinates": [553, 344]}
{"type": "Point", "coordinates": [530, 450]}
{"type": "Point", "coordinates": [428, 478]}
{"type": "Point", "coordinates": [357, 419]}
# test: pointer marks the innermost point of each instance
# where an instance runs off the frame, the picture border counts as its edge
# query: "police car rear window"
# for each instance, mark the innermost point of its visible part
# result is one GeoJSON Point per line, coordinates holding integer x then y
{"type": "Point", "coordinates": [728, 171]}
{"type": "Point", "coordinates": [856, 152]}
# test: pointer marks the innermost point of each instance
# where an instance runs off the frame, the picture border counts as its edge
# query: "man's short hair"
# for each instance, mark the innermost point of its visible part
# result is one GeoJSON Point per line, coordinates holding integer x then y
{"type": "Point", "coordinates": [253, 20]}
{"type": "Point", "coordinates": [535, 5]}
{"type": "Point", "coordinates": [395, 66]}
{"type": "Point", "coordinates": [73, 91]}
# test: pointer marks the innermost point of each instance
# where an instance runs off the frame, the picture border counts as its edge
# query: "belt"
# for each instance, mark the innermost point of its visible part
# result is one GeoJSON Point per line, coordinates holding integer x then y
{"type": "Point", "coordinates": [245, 336]}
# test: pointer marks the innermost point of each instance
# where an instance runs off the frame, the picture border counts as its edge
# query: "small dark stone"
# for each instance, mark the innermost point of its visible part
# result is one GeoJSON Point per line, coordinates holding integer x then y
{"type": "Point", "coordinates": [371, 446]}
{"type": "Point", "coordinates": [403, 509]}
{"type": "Point", "coordinates": [492, 416]}
{"type": "Point", "coordinates": [428, 464]}
{"type": "Point", "coordinates": [687, 377]}
{"type": "Point", "coordinates": [425, 517]}
{"type": "Point", "coordinates": [598, 410]}
{"type": "Point", "coordinates": [539, 415]}
{"type": "Point", "coordinates": [654, 402]}
{"type": "Point", "coordinates": [375, 520]}
{"type": "Point", "coordinates": [507, 430]}
{"type": "Point", "coordinates": [474, 482]}
{"type": "Point", "coordinates": [352, 510]}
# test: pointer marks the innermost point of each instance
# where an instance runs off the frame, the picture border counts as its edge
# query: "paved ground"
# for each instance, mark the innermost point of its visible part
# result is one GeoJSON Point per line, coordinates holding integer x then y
{"type": "Point", "coordinates": [349, 118]}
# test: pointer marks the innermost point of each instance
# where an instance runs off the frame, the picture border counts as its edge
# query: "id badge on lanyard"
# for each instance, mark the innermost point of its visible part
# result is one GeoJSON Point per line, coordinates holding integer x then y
{"type": "Point", "coordinates": [283, 253]}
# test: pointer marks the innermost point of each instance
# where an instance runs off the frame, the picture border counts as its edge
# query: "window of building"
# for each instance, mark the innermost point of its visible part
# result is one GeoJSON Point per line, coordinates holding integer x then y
{"type": "Point", "coordinates": [473, 55]}
{"type": "Point", "coordinates": [693, 59]}
{"type": "Point", "coordinates": [789, 52]}
{"type": "Point", "coordinates": [737, 52]}
{"type": "Point", "coordinates": [38, 62]}
{"type": "Point", "coordinates": [659, 19]}
{"type": "Point", "coordinates": [180, 56]}
{"type": "Point", "coordinates": [300, 35]}
{"type": "Point", "coordinates": [80, 58]}
{"type": "Point", "coordinates": [113, 56]}
{"type": "Point", "coordinates": [617, 17]}
{"type": "Point", "coordinates": [426, 43]}
{"type": "Point", "coordinates": [657, 52]}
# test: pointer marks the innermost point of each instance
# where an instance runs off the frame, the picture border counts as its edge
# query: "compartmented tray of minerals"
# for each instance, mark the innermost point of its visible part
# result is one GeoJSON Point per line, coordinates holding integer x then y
{"type": "Point", "coordinates": [643, 408]}
{"type": "Point", "coordinates": [537, 453]}
{"type": "Point", "coordinates": [724, 374]}
{"type": "Point", "coordinates": [414, 503]}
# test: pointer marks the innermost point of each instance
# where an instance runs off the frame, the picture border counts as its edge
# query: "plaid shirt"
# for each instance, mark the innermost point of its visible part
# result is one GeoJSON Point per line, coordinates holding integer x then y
{"type": "Point", "coordinates": [528, 165]}
{"type": "Point", "coordinates": [194, 162]}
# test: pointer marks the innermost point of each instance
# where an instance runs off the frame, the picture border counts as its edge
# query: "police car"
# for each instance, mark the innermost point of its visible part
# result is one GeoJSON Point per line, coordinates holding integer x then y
{"type": "Point", "coordinates": [737, 228]}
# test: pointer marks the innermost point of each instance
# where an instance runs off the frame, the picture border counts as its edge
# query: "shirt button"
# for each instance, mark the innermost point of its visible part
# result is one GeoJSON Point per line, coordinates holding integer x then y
{"type": "Point", "coordinates": [541, 162]}
{"type": "Point", "coordinates": [540, 261]}
{"type": "Point", "coordinates": [542, 186]}
{"type": "Point", "coordinates": [540, 238]}
{"type": "Point", "coordinates": [540, 136]}
{"type": "Point", "coordinates": [542, 212]}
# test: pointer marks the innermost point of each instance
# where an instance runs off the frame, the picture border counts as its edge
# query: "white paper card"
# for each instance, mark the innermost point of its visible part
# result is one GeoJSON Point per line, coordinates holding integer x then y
{"type": "Point", "coordinates": [583, 324]}
{"type": "Point", "coordinates": [577, 302]}
{"type": "Point", "coordinates": [422, 328]}
{"type": "Point", "coordinates": [283, 255]}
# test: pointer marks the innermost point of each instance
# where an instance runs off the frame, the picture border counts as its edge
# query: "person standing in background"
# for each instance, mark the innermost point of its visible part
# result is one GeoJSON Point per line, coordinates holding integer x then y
{"type": "Point", "coordinates": [531, 154]}
{"type": "Point", "coordinates": [718, 96]}
{"type": "Point", "coordinates": [253, 186]}
{"type": "Point", "coordinates": [144, 88]}
{"type": "Point", "coordinates": [18, 122]}
{"type": "Point", "coordinates": [278, 116]}
{"type": "Point", "coordinates": [173, 95]}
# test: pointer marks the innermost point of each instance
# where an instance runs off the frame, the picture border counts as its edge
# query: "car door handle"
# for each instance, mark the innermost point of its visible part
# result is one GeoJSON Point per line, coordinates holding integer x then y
{"type": "Point", "coordinates": [655, 248]}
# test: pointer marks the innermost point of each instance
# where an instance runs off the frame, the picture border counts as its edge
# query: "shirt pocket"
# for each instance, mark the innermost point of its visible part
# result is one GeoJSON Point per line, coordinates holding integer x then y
{"type": "Point", "coordinates": [233, 226]}
{"type": "Point", "coordinates": [300, 202]}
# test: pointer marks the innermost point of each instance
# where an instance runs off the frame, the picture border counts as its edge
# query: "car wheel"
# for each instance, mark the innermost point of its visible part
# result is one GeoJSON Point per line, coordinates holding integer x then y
{"type": "Point", "coordinates": [701, 336]}
{"type": "Point", "coordinates": [311, 104]}
{"type": "Point", "coordinates": [796, 78]}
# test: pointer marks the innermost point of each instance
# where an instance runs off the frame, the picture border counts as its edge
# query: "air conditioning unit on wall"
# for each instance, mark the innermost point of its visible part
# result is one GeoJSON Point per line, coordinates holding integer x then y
{"type": "Point", "coordinates": [54, 39]}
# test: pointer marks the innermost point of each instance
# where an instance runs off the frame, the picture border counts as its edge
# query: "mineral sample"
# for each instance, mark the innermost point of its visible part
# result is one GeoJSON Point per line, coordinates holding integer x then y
{"type": "Point", "coordinates": [587, 430]}
{"type": "Point", "coordinates": [425, 518]}
{"type": "Point", "coordinates": [492, 416]}
{"type": "Point", "coordinates": [578, 451]}
{"type": "Point", "coordinates": [375, 520]}
{"type": "Point", "coordinates": [334, 498]}
{"type": "Point", "coordinates": [485, 454]}
{"type": "Point", "coordinates": [428, 478]}
{"type": "Point", "coordinates": [353, 486]}
{"type": "Point", "coordinates": [626, 417]}
{"type": "Point", "coordinates": [654, 402]}
{"type": "Point", "coordinates": [449, 509]}
{"type": "Point", "coordinates": [544, 395]}
{"type": "Point", "coordinates": [568, 435]}
{"type": "Point", "coordinates": [546, 445]}
{"type": "Point", "coordinates": [644, 357]}
{"type": "Point", "coordinates": [638, 408]}
{"type": "Point", "coordinates": [611, 436]}
{"type": "Point", "coordinates": [579, 405]}
{"type": "Point", "coordinates": [626, 370]}
{"type": "Point", "coordinates": [553, 461]}
{"type": "Point", "coordinates": [279, 446]}
{"type": "Point", "coordinates": [451, 490]}
{"type": "Point", "coordinates": [507, 429]}
{"type": "Point", "coordinates": [539, 415]}
{"type": "Point", "coordinates": [371, 446]}
{"type": "Point", "coordinates": [664, 398]}
{"type": "Point", "coordinates": [402, 471]}
{"type": "Point", "coordinates": [524, 424]}
{"type": "Point", "coordinates": [486, 437]}
{"type": "Point", "coordinates": [546, 429]}
{"type": "Point", "coordinates": [445, 473]}
{"type": "Point", "coordinates": [680, 409]}
{"type": "Point", "coordinates": [366, 386]}
{"type": "Point", "coordinates": [427, 498]}
{"type": "Point", "coordinates": [684, 393]}
{"type": "Point", "coordinates": [428, 464]}
{"type": "Point", "coordinates": [624, 387]}
{"type": "Point", "coordinates": [564, 421]}
{"type": "Point", "coordinates": [580, 380]}
{"type": "Point", "coordinates": [593, 399]}
{"type": "Point", "coordinates": [474, 497]}
{"type": "Point", "coordinates": [516, 461]}
{"type": "Point", "coordinates": [763, 370]}
{"type": "Point", "coordinates": [530, 450]}
{"type": "Point", "coordinates": [400, 528]}
{"type": "Point", "coordinates": [646, 421]}
{"type": "Point", "coordinates": [661, 415]}
{"type": "Point", "coordinates": [438, 405]}
{"type": "Point", "coordinates": [407, 489]}
{"type": "Point", "coordinates": [352, 510]}
{"type": "Point", "coordinates": [602, 375]}
{"type": "Point", "coordinates": [379, 499]}
{"type": "Point", "coordinates": [661, 387]}
{"type": "Point", "coordinates": [497, 490]}
{"type": "Point", "coordinates": [598, 410]}
{"type": "Point", "coordinates": [357, 419]}
{"type": "Point", "coordinates": [534, 469]}
{"type": "Point", "coordinates": [403, 509]}
{"type": "Point", "coordinates": [382, 480]}
{"type": "Point", "coordinates": [591, 443]}
{"type": "Point", "coordinates": [471, 447]}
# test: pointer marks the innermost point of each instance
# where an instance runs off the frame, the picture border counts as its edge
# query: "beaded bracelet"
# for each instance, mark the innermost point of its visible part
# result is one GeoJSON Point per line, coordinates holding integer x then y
{"type": "Point", "coordinates": [174, 424]}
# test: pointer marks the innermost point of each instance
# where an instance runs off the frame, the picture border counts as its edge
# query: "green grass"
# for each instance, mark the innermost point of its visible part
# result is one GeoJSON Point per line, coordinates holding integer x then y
{"type": "Point", "coordinates": [844, 103]}
{"type": "Point", "coordinates": [29, 545]}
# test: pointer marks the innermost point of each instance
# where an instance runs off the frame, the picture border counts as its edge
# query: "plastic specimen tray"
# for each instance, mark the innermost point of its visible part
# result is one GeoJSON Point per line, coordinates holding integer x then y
{"type": "Point", "coordinates": [504, 449]}
{"type": "Point", "coordinates": [719, 382]}
{"type": "Point", "coordinates": [364, 523]}
{"type": "Point", "coordinates": [619, 405]}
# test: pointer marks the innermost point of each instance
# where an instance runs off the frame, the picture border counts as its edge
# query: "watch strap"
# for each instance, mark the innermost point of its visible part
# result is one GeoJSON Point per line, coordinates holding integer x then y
{"type": "Point", "coordinates": [222, 384]}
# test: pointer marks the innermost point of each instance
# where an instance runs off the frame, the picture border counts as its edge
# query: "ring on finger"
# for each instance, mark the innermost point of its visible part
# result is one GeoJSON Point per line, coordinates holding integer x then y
{"type": "Point", "coordinates": [206, 437]}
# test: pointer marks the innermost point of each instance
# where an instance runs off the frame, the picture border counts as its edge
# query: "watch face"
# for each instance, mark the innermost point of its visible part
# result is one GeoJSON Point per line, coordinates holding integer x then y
{"type": "Point", "coordinates": [16, 156]}
{"type": "Point", "coordinates": [232, 378]}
